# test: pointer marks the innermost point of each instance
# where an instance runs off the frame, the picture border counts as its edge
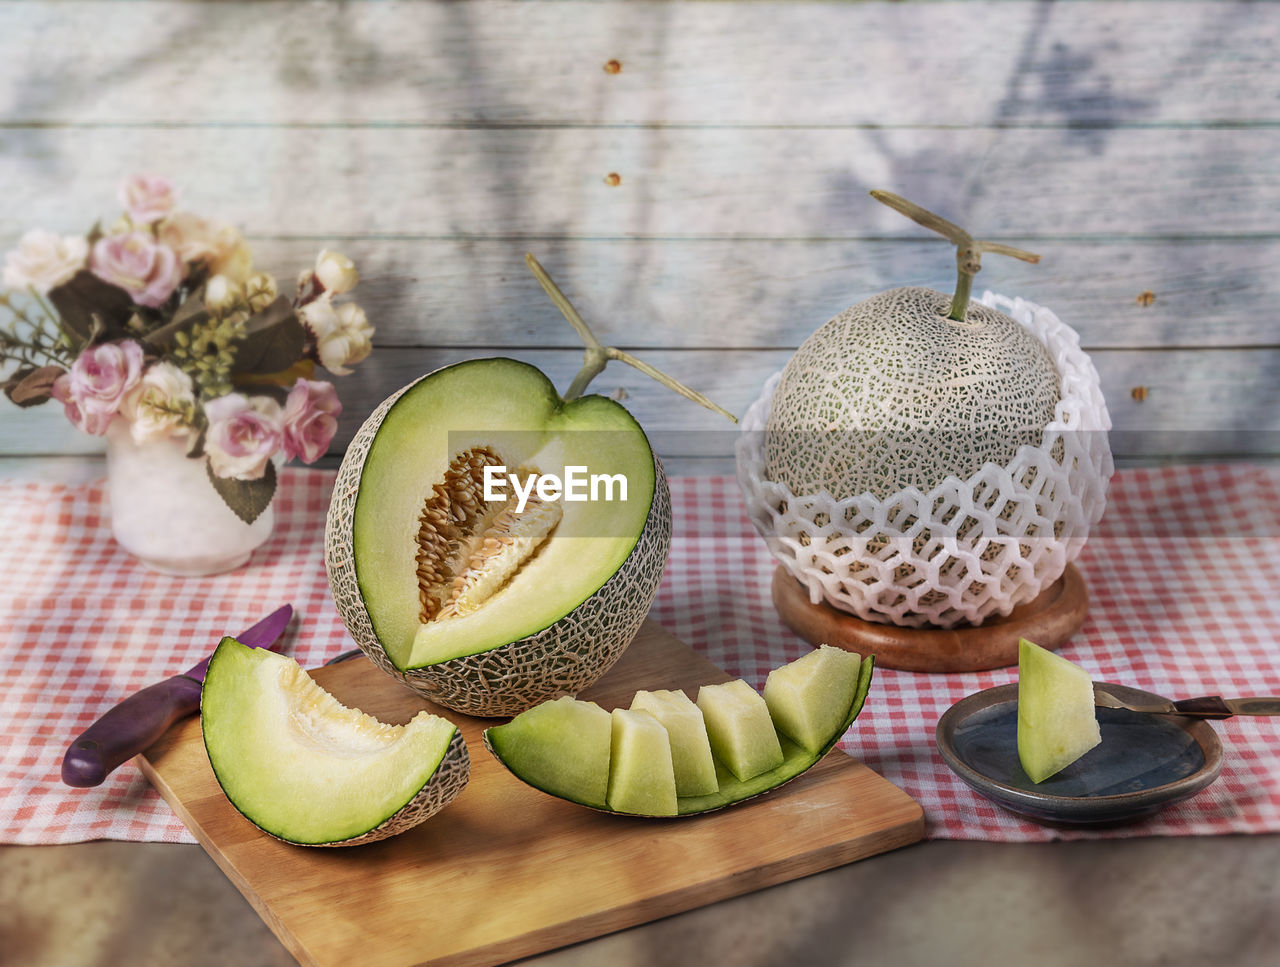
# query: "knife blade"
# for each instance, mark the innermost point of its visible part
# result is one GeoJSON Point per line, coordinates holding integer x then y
{"type": "Point", "coordinates": [1204, 707]}
{"type": "Point", "coordinates": [131, 726]}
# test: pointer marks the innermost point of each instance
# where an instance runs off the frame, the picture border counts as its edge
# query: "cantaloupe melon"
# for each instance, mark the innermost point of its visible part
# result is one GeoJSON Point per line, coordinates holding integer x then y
{"type": "Point", "coordinates": [488, 606]}
{"type": "Point", "coordinates": [543, 748]}
{"type": "Point", "coordinates": [308, 770]}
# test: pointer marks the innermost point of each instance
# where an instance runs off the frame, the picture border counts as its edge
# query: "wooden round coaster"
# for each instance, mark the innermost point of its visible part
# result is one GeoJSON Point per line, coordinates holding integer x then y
{"type": "Point", "coordinates": [1049, 620]}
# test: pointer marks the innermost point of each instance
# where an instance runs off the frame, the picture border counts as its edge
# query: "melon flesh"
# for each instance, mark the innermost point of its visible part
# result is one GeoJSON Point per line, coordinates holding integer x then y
{"type": "Point", "coordinates": [809, 697]}
{"type": "Point", "coordinates": [562, 747]}
{"type": "Point", "coordinates": [1057, 721]}
{"type": "Point", "coordinates": [307, 769]}
{"type": "Point", "coordinates": [742, 734]}
{"type": "Point", "coordinates": [695, 769]}
{"type": "Point", "coordinates": [641, 777]}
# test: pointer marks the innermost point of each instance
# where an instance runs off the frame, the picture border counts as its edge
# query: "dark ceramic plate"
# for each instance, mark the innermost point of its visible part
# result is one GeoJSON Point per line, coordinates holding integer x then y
{"type": "Point", "coordinates": [1144, 763]}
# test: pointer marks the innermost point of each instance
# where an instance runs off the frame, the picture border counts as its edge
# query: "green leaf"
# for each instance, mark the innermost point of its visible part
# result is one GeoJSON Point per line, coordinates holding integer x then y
{"type": "Point", "coordinates": [246, 498]}
{"type": "Point", "coordinates": [190, 314]}
{"type": "Point", "coordinates": [30, 386]}
{"type": "Point", "coordinates": [90, 308]}
{"type": "Point", "coordinates": [273, 341]}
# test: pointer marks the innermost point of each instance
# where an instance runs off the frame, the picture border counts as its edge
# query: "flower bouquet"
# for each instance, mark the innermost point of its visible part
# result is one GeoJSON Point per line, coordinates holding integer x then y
{"type": "Point", "coordinates": [161, 323]}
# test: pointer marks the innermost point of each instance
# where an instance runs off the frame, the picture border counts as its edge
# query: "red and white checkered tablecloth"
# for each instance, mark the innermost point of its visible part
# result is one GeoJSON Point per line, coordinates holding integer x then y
{"type": "Point", "coordinates": [1184, 602]}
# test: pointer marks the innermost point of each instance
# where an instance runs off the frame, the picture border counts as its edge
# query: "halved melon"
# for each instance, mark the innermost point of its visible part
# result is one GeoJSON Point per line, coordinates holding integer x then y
{"type": "Point", "coordinates": [560, 769]}
{"type": "Point", "coordinates": [488, 607]}
{"type": "Point", "coordinates": [308, 770]}
{"type": "Point", "coordinates": [1057, 720]}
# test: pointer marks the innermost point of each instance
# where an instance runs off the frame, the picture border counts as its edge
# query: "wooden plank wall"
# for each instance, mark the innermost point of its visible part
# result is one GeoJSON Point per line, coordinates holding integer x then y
{"type": "Point", "coordinates": [695, 175]}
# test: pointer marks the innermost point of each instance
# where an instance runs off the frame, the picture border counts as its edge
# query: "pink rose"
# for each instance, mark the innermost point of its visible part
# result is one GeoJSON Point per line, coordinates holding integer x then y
{"type": "Point", "coordinates": [147, 198]}
{"type": "Point", "coordinates": [99, 380]}
{"type": "Point", "coordinates": [310, 419]}
{"type": "Point", "coordinates": [244, 433]}
{"type": "Point", "coordinates": [135, 262]}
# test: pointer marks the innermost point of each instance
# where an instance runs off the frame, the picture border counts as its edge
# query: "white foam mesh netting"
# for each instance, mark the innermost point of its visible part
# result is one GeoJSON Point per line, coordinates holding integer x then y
{"type": "Point", "coordinates": [967, 549]}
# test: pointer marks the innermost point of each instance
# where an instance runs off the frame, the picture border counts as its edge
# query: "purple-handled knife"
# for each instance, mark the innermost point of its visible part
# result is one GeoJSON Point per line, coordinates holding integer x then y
{"type": "Point", "coordinates": [130, 727]}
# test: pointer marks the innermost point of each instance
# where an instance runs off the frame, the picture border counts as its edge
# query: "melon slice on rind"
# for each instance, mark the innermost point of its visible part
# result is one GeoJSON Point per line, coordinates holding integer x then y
{"type": "Point", "coordinates": [804, 696]}
{"type": "Point", "coordinates": [641, 777]}
{"type": "Point", "coordinates": [691, 759]}
{"type": "Point", "coordinates": [742, 734]}
{"type": "Point", "coordinates": [1057, 719]}
{"type": "Point", "coordinates": [562, 746]}
{"type": "Point", "coordinates": [560, 743]}
{"type": "Point", "coordinates": [303, 767]}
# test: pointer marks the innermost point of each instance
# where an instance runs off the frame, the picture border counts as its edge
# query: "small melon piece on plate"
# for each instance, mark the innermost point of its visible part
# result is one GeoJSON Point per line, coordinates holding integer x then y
{"type": "Point", "coordinates": [691, 759]}
{"type": "Point", "coordinates": [641, 778]}
{"type": "Point", "coordinates": [740, 729]}
{"type": "Point", "coordinates": [305, 768]}
{"type": "Point", "coordinates": [1057, 722]}
{"type": "Point", "coordinates": [809, 697]}
{"type": "Point", "coordinates": [561, 747]}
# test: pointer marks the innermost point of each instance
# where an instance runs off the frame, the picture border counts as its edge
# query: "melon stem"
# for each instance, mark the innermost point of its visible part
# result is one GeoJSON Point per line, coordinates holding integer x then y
{"type": "Point", "coordinates": [596, 355]}
{"type": "Point", "coordinates": [968, 249]}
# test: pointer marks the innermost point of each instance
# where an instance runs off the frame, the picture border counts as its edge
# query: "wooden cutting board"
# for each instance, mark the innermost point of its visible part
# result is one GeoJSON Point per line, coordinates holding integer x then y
{"type": "Point", "coordinates": [505, 871]}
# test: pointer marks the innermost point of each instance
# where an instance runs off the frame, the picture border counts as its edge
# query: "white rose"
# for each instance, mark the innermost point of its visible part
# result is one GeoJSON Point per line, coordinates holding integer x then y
{"type": "Point", "coordinates": [154, 408]}
{"type": "Point", "coordinates": [260, 289]}
{"type": "Point", "coordinates": [217, 244]}
{"type": "Point", "coordinates": [44, 260]}
{"type": "Point", "coordinates": [343, 334]}
{"type": "Point", "coordinates": [336, 272]}
{"type": "Point", "coordinates": [221, 293]}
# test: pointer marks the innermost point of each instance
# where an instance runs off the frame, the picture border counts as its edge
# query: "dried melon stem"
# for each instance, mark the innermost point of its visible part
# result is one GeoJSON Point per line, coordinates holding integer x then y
{"type": "Point", "coordinates": [469, 550]}
{"type": "Point", "coordinates": [968, 249]}
{"type": "Point", "coordinates": [597, 355]}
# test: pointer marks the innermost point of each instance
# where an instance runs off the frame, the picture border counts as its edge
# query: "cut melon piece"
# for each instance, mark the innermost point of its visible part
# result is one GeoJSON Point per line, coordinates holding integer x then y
{"type": "Point", "coordinates": [488, 607]}
{"type": "Point", "coordinates": [641, 777]}
{"type": "Point", "coordinates": [308, 770]}
{"type": "Point", "coordinates": [562, 747]}
{"type": "Point", "coordinates": [557, 755]}
{"type": "Point", "coordinates": [742, 734]}
{"type": "Point", "coordinates": [805, 697]}
{"type": "Point", "coordinates": [1057, 721]}
{"type": "Point", "coordinates": [691, 759]}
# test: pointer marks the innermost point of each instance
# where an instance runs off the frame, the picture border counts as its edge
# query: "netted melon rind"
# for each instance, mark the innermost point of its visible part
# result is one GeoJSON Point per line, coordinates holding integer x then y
{"type": "Point", "coordinates": [966, 549]}
{"type": "Point", "coordinates": [561, 659]}
{"type": "Point", "coordinates": [892, 393]}
{"type": "Point", "coordinates": [441, 789]}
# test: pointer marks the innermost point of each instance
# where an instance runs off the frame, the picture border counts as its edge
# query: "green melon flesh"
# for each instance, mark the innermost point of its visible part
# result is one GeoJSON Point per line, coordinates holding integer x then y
{"type": "Point", "coordinates": [1057, 721]}
{"type": "Point", "coordinates": [742, 734]}
{"type": "Point", "coordinates": [695, 769]}
{"type": "Point", "coordinates": [641, 777]}
{"type": "Point", "coordinates": [551, 622]}
{"type": "Point", "coordinates": [307, 769]}
{"type": "Point", "coordinates": [558, 760]}
{"type": "Point", "coordinates": [563, 748]}
{"type": "Point", "coordinates": [807, 699]}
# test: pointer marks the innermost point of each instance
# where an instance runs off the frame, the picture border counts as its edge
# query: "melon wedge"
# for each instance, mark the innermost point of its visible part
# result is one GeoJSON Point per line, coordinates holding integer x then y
{"type": "Point", "coordinates": [1057, 721]}
{"type": "Point", "coordinates": [563, 747]}
{"type": "Point", "coordinates": [742, 734]}
{"type": "Point", "coordinates": [804, 697]}
{"type": "Point", "coordinates": [581, 782]}
{"type": "Point", "coordinates": [691, 759]}
{"type": "Point", "coordinates": [308, 770]}
{"type": "Point", "coordinates": [641, 777]}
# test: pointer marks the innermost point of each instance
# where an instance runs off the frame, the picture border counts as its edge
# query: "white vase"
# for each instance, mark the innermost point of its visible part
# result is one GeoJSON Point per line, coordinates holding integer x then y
{"type": "Point", "coordinates": [165, 512]}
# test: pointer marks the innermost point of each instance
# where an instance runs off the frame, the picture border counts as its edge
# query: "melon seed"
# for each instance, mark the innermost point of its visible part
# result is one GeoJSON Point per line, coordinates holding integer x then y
{"type": "Point", "coordinates": [468, 550]}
